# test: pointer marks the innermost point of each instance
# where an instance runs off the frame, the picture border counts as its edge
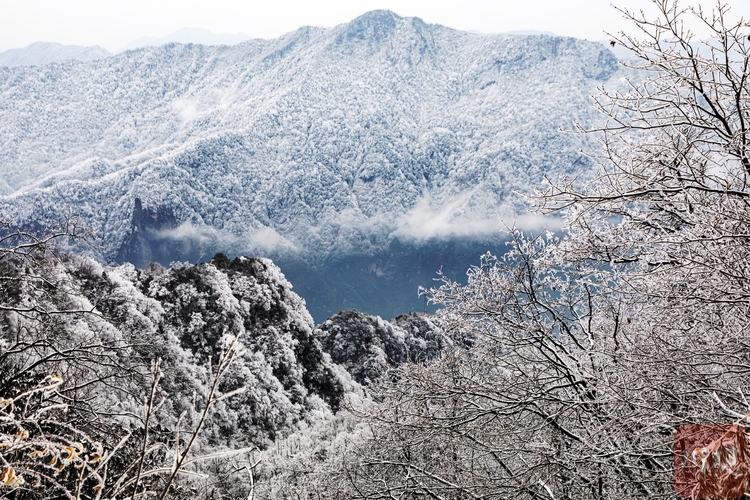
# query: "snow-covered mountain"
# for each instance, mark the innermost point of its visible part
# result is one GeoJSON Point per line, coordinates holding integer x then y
{"type": "Point", "coordinates": [288, 372]}
{"type": "Point", "coordinates": [182, 316]}
{"type": "Point", "coordinates": [367, 346]}
{"type": "Point", "coordinates": [39, 53]}
{"type": "Point", "coordinates": [319, 145]}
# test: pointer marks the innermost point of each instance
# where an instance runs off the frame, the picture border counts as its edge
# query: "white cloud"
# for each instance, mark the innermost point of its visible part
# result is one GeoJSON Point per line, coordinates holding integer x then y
{"type": "Point", "coordinates": [263, 240]}
{"type": "Point", "coordinates": [268, 239]}
{"type": "Point", "coordinates": [200, 235]}
{"type": "Point", "coordinates": [185, 109]}
{"type": "Point", "coordinates": [432, 219]}
{"type": "Point", "coordinates": [459, 217]}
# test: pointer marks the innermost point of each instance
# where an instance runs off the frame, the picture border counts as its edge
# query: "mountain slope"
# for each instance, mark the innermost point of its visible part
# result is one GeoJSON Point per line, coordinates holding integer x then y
{"type": "Point", "coordinates": [288, 372]}
{"type": "Point", "coordinates": [182, 316]}
{"type": "Point", "coordinates": [314, 147]}
{"type": "Point", "coordinates": [317, 139]}
{"type": "Point", "coordinates": [366, 346]}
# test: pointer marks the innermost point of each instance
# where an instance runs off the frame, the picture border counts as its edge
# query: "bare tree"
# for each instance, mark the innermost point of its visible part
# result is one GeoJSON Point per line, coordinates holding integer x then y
{"type": "Point", "coordinates": [544, 400]}
{"type": "Point", "coordinates": [63, 365]}
{"type": "Point", "coordinates": [51, 425]}
{"type": "Point", "coordinates": [672, 193]}
{"type": "Point", "coordinates": [582, 356]}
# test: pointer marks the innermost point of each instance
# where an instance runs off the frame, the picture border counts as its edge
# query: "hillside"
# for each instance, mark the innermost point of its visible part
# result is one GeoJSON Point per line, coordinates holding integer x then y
{"type": "Point", "coordinates": [317, 147]}
{"type": "Point", "coordinates": [289, 372]}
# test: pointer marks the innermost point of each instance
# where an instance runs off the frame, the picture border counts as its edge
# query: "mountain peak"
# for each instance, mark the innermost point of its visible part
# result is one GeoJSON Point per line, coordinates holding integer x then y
{"type": "Point", "coordinates": [377, 15]}
{"type": "Point", "coordinates": [374, 25]}
{"type": "Point", "coordinates": [322, 148]}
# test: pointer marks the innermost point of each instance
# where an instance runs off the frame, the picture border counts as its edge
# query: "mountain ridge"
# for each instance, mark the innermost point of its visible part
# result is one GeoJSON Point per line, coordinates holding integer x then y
{"type": "Point", "coordinates": [40, 53]}
{"type": "Point", "coordinates": [319, 145]}
{"type": "Point", "coordinates": [188, 35]}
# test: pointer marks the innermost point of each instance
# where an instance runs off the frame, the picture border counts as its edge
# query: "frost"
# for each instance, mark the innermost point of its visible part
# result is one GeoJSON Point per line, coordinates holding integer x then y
{"type": "Point", "coordinates": [321, 142]}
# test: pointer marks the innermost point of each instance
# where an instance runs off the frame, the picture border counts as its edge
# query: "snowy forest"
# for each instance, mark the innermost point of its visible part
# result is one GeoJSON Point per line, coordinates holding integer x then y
{"type": "Point", "coordinates": [360, 153]}
{"type": "Point", "coordinates": [560, 370]}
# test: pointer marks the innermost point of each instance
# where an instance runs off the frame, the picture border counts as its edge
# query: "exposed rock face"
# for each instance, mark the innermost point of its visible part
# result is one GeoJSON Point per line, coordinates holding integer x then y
{"type": "Point", "coordinates": [383, 283]}
{"type": "Point", "coordinates": [152, 238]}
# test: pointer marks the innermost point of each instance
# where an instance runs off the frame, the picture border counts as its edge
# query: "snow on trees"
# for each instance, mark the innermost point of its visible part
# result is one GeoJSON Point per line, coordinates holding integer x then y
{"type": "Point", "coordinates": [577, 358]}
{"type": "Point", "coordinates": [118, 382]}
{"type": "Point", "coordinates": [568, 365]}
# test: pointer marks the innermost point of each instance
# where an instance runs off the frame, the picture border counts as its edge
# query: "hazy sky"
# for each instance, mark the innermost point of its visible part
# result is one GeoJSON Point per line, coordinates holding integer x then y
{"type": "Point", "coordinates": [114, 23]}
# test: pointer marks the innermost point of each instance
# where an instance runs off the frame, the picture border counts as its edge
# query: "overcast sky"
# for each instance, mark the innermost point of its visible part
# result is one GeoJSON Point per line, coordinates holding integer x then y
{"type": "Point", "coordinates": [114, 23]}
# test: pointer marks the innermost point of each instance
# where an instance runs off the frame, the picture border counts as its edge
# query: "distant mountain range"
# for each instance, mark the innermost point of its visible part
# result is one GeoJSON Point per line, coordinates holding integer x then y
{"type": "Point", "coordinates": [39, 53]}
{"type": "Point", "coordinates": [324, 148]}
{"type": "Point", "coordinates": [188, 35]}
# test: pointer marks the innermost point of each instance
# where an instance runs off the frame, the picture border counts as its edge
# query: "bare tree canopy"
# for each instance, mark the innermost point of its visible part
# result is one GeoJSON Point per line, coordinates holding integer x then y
{"type": "Point", "coordinates": [577, 358]}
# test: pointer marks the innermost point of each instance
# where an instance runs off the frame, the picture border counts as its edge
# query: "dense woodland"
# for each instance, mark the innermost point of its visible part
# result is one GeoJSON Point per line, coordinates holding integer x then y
{"type": "Point", "coordinates": [323, 141]}
{"type": "Point", "coordinates": [561, 370]}
{"type": "Point", "coordinates": [328, 150]}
